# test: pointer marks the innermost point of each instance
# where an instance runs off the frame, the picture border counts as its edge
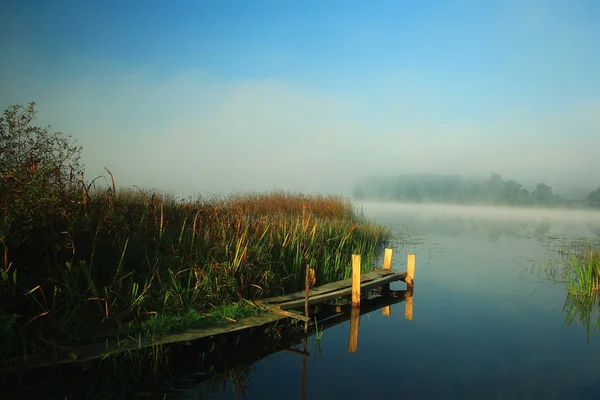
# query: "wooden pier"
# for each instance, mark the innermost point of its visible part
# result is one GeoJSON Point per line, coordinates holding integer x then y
{"type": "Point", "coordinates": [320, 294]}
{"type": "Point", "coordinates": [280, 307]}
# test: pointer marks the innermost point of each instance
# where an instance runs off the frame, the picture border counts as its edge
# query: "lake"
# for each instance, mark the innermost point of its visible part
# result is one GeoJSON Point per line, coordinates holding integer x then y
{"type": "Point", "coordinates": [488, 319]}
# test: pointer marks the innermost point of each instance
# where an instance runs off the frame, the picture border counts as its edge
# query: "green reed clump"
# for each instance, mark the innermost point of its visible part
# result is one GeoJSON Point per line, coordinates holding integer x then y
{"type": "Point", "coordinates": [583, 272]}
{"type": "Point", "coordinates": [581, 275]}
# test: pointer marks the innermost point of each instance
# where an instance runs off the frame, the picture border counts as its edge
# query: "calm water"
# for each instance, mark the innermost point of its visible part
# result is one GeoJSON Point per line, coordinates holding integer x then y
{"type": "Point", "coordinates": [487, 321]}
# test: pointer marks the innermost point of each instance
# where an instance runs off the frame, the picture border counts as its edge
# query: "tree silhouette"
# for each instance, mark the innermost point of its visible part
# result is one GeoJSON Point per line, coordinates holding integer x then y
{"type": "Point", "coordinates": [594, 198]}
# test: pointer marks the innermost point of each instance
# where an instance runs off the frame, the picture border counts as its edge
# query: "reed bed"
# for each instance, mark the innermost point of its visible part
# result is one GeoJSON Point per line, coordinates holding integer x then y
{"type": "Point", "coordinates": [79, 263]}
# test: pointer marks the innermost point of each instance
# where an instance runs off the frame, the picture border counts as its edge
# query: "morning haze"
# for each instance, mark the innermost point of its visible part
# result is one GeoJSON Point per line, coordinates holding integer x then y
{"type": "Point", "coordinates": [217, 97]}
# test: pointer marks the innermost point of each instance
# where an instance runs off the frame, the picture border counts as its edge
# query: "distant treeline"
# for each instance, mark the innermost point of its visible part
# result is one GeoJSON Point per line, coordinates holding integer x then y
{"type": "Point", "coordinates": [456, 189]}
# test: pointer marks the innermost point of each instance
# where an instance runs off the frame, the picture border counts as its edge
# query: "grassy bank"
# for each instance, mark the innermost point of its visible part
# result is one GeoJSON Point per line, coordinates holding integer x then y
{"type": "Point", "coordinates": [78, 264]}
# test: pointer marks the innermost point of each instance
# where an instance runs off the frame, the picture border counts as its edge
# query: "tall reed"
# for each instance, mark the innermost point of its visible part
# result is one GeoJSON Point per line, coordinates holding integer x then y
{"type": "Point", "coordinates": [91, 263]}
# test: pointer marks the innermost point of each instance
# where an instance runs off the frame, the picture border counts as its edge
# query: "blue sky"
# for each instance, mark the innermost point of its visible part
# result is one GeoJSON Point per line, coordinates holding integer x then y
{"type": "Point", "coordinates": [250, 95]}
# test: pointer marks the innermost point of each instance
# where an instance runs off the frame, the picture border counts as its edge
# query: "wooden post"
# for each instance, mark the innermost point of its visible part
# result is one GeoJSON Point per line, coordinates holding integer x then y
{"type": "Point", "coordinates": [307, 282]}
{"type": "Point", "coordinates": [410, 271]}
{"type": "Point", "coordinates": [387, 264]}
{"type": "Point", "coordinates": [354, 323]}
{"type": "Point", "coordinates": [387, 258]}
{"type": "Point", "coordinates": [408, 311]}
{"type": "Point", "coordinates": [355, 280]}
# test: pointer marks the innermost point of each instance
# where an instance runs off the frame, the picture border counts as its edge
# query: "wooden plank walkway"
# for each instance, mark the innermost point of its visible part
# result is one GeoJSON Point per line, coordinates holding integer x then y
{"type": "Point", "coordinates": [319, 294]}
{"type": "Point", "coordinates": [92, 352]}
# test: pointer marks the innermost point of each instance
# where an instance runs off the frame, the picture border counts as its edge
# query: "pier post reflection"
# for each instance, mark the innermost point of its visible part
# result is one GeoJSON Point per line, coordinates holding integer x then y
{"type": "Point", "coordinates": [354, 324]}
{"type": "Point", "coordinates": [408, 310]}
{"type": "Point", "coordinates": [304, 357]}
{"type": "Point", "coordinates": [387, 264]}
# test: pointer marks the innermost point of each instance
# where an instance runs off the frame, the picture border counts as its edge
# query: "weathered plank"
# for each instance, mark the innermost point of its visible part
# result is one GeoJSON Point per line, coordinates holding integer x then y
{"type": "Point", "coordinates": [343, 291]}
{"type": "Point", "coordinates": [283, 313]}
{"type": "Point", "coordinates": [330, 287]}
{"type": "Point", "coordinates": [101, 350]}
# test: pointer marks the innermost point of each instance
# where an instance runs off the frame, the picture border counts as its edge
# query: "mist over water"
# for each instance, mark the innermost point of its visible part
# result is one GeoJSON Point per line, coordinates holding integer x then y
{"type": "Point", "coordinates": [536, 221]}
